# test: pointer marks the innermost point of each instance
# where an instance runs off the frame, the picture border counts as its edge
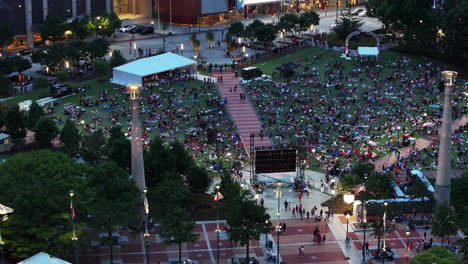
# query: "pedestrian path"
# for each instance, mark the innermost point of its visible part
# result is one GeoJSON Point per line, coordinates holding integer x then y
{"type": "Point", "coordinates": [242, 111]}
{"type": "Point", "coordinates": [421, 143]}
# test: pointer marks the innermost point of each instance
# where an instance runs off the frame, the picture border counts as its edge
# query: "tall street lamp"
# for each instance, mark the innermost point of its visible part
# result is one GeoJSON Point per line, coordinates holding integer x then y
{"type": "Point", "coordinates": [278, 227]}
{"type": "Point", "coordinates": [74, 238]}
{"type": "Point", "coordinates": [182, 48]}
{"type": "Point", "coordinates": [364, 223]}
{"type": "Point", "coordinates": [266, 234]}
{"type": "Point", "coordinates": [347, 226]}
{"type": "Point", "coordinates": [152, 25]}
{"type": "Point", "coordinates": [349, 199]}
{"type": "Point", "coordinates": [146, 235]}
{"type": "Point", "coordinates": [4, 211]}
{"type": "Point", "coordinates": [313, 157]}
{"type": "Point", "coordinates": [336, 11]}
{"type": "Point", "coordinates": [218, 196]}
{"type": "Point", "coordinates": [333, 203]}
{"type": "Point", "coordinates": [398, 135]}
{"type": "Point", "coordinates": [408, 232]}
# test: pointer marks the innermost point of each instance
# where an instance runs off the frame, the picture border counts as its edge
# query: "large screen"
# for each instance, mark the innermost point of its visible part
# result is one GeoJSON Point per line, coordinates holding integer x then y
{"type": "Point", "coordinates": [269, 161]}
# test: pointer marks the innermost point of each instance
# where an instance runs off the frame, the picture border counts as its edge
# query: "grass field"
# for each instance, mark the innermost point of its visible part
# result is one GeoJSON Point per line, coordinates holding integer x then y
{"type": "Point", "coordinates": [298, 112]}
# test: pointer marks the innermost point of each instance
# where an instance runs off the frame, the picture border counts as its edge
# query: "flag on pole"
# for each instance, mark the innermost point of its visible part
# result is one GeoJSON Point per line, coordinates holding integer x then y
{"type": "Point", "coordinates": [72, 210]}
{"type": "Point", "coordinates": [359, 188]}
{"type": "Point", "coordinates": [218, 196]}
{"type": "Point", "coordinates": [407, 251]}
{"type": "Point", "coordinates": [146, 205]}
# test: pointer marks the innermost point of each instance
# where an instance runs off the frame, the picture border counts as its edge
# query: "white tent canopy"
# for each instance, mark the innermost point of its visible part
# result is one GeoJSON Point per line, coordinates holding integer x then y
{"type": "Point", "coordinates": [368, 51]}
{"type": "Point", "coordinates": [133, 72]}
{"type": "Point", "coordinates": [43, 258]}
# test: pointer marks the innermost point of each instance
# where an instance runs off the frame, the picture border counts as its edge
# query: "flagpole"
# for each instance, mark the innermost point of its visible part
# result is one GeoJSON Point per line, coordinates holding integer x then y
{"type": "Point", "coordinates": [74, 238]}
{"type": "Point", "coordinates": [217, 224]}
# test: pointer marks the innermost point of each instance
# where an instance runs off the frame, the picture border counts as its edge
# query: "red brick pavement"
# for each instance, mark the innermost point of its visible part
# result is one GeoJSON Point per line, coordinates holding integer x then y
{"type": "Point", "coordinates": [242, 112]}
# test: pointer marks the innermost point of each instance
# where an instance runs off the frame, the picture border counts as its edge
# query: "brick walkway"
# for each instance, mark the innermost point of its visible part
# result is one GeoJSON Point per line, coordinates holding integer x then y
{"type": "Point", "coordinates": [242, 112]}
{"type": "Point", "coordinates": [421, 143]}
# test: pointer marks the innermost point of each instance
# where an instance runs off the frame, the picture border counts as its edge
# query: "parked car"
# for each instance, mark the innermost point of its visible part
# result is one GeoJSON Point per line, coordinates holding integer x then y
{"type": "Point", "coordinates": [137, 29]}
{"type": "Point", "coordinates": [357, 11]}
{"type": "Point", "coordinates": [363, 14]}
{"type": "Point", "coordinates": [147, 30]}
{"type": "Point", "coordinates": [26, 52]}
{"type": "Point", "coordinates": [127, 28]}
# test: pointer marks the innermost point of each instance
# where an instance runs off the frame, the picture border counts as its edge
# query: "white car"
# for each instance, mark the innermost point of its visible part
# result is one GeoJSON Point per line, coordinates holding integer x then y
{"type": "Point", "coordinates": [127, 28]}
{"type": "Point", "coordinates": [362, 14]}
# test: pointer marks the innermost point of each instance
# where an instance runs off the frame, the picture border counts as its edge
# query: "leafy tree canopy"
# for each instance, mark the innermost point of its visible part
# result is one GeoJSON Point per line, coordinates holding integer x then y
{"type": "Point", "coordinates": [436, 254]}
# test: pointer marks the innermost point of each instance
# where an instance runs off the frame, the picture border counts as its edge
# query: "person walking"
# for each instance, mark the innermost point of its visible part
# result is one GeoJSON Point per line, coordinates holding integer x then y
{"type": "Point", "coordinates": [301, 251]}
{"type": "Point", "coordinates": [284, 228]}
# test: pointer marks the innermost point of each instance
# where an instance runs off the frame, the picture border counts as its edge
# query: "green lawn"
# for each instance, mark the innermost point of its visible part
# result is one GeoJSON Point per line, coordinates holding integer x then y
{"type": "Point", "coordinates": [305, 105]}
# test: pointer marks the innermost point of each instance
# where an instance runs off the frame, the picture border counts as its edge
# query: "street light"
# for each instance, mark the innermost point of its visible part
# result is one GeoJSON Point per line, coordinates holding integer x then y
{"type": "Point", "coordinates": [4, 211]}
{"type": "Point", "coordinates": [152, 25]}
{"type": "Point", "coordinates": [336, 11]}
{"type": "Point", "coordinates": [146, 235]}
{"type": "Point", "coordinates": [364, 223]}
{"type": "Point", "coordinates": [333, 203]}
{"type": "Point", "coordinates": [217, 223]}
{"type": "Point", "coordinates": [398, 135]}
{"type": "Point", "coordinates": [384, 225]}
{"type": "Point", "coordinates": [71, 193]}
{"type": "Point", "coordinates": [266, 234]}
{"type": "Point", "coordinates": [408, 232]}
{"type": "Point", "coordinates": [347, 226]}
{"type": "Point", "coordinates": [134, 48]}
{"type": "Point", "coordinates": [313, 157]}
{"type": "Point", "coordinates": [182, 48]}
{"type": "Point", "coordinates": [278, 227]}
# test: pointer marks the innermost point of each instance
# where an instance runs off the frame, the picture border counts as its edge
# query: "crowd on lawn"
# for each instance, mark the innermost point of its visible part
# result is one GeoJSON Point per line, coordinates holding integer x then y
{"type": "Point", "coordinates": [174, 107]}
{"type": "Point", "coordinates": [346, 113]}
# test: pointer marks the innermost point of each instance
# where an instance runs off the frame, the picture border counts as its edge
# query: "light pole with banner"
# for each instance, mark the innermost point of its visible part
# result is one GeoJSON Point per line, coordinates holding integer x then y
{"type": "Point", "coordinates": [4, 212]}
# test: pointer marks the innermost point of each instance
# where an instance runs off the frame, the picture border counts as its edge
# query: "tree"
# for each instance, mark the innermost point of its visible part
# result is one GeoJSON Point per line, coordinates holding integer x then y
{"type": "Point", "coordinates": [288, 22]}
{"type": "Point", "coordinates": [13, 64]}
{"type": "Point", "coordinates": [252, 28]}
{"type": "Point", "coordinates": [463, 245]}
{"type": "Point", "coordinates": [156, 163]}
{"type": "Point", "coordinates": [443, 224]}
{"type": "Point", "coordinates": [198, 180]}
{"type": "Point", "coordinates": [346, 25]}
{"type": "Point", "coordinates": [119, 148]}
{"type": "Point", "coordinates": [34, 114]}
{"type": "Point", "coordinates": [53, 28]}
{"type": "Point", "coordinates": [171, 198]}
{"type": "Point", "coordinates": [82, 28]}
{"type": "Point", "coordinates": [15, 122]}
{"type": "Point", "coordinates": [436, 254]}
{"type": "Point", "coordinates": [93, 146]}
{"type": "Point", "coordinates": [107, 24]}
{"type": "Point", "coordinates": [194, 41]}
{"type": "Point", "coordinates": [75, 52]}
{"type": "Point", "coordinates": [6, 87]}
{"type": "Point", "coordinates": [236, 29]}
{"type": "Point", "coordinates": [114, 196]}
{"type": "Point", "coordinates": [209, 36]}
{"type": "Point", "coordinates": [63, 75]}
{"type": "Point", "coordinates": [41, 83]}
{"type": "Point", "coordinates": [176, 228]}
{"type": "Point", "coordinates": [70, 138]}
{"type": "Point", "coordinates": [117, 59]}
{"type": "Point", "coordinates": [456, 33]}
{"type": "Point", "coordinates": [266, 34]}
{"type": "Point", "coordinates": [40, 181]}
{"type": "Point", "coordinates": [38, 57]}
{"type": "Point", "coordinates": [46, 129]}
{"type": "Point", "coordinates": [101, 67]}
{"type": "Point", "coordinates": [55, 55]}
{"type": "Point", "coordinates": [307, 19]}
{"type": "Point", "coordinates": [97, 48]}
{"type": "Point", "coordinates": [247, 221]}
{"type": "Point", "coordinates": [6, 35]}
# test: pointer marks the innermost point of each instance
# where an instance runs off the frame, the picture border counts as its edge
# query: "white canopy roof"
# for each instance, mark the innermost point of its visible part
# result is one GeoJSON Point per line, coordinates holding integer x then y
{"type": "Point", "coordinates": [43, 258]}
{"type": "Point", "coordinates": [368, 51]}
{"type": "Point", "coordinates": [133, 72]}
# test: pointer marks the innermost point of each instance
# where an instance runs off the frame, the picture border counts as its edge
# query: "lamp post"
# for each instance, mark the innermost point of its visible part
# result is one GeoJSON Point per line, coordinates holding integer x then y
{"type": "Point", "coordinates": [146, 235]}
{"type": "Point", "coordinates": [278, 227]}
{"type": "Point", "coordinates": [217, 225]}
{"type": "Point", "coordinates": [336, 11]}
{"type": "Point", "coordinates": [135, 49]}
{"type": "Point", "coordinates": [152, 25]}
{"type": "Point", "coordinates": [266, 235]}
{"type": "Point", "coordinates": [182, 48]}
{"type": "Point", "coordinates": [398, 135]}
{"type": "Point", "coordinates": [442, 193]}
{"type": "Point", "coordinates": [364, 224]}
{"type": "Point", "coordinates": [349, 199]}
{"type": "Point", "coordinates": [74, 238]}
{"type": "Point", "coordinates": [333, 203]}
{"type": "Point", "coordinates": [4, 211]}
{"type": "Point", "coordinates": [384, 226]}
{"type": "Point", "coordinates": [408, 232]}
{"type": "Point", "coordinates": [313, 157]}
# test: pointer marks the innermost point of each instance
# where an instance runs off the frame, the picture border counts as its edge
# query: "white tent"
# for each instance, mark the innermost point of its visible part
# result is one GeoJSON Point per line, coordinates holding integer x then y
{"type": "Point", "coordinates": [368, 51]}
{"type": "Point", "coordinates": [43, 258]}
{"type": "Point", "coordinates": [134, 72]}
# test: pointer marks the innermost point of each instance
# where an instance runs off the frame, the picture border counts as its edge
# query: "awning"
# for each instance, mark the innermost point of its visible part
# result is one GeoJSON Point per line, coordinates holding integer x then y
{"type": "Point", "coordinates": [368, 51]}
{"type": "Point", "coordinates": [241, 3]}
{"type": "Point", "coordinates": [133, 72]}
{"type": "Point", "coordinates": [43, 258]}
